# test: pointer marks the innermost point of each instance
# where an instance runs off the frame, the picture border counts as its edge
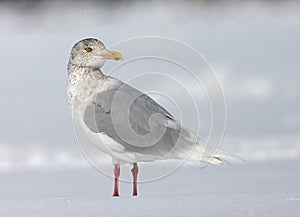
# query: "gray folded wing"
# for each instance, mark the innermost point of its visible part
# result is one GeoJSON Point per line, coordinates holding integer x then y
{"type": "Point", "coordinates": [134, 120]}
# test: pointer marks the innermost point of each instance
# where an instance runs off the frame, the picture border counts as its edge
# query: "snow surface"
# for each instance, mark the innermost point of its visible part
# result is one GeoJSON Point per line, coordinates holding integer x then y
{"type": "Point", "coordinates": [257, 189]}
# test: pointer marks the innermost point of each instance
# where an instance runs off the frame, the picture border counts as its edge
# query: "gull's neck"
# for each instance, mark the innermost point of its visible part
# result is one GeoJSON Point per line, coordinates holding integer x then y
{"type": "Point", "coordinates": [83, 82]}
{"type": "Point", "coordinates": [83, 70]}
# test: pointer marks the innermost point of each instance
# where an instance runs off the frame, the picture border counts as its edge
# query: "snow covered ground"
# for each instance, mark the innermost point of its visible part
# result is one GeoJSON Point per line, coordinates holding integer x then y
{"type": "Point", "coordinates": [249, 189]}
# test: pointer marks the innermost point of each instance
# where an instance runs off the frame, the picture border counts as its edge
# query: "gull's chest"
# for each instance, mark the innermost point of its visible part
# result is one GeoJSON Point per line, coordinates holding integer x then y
{"type": "Point", "coordinates": [81, 86]}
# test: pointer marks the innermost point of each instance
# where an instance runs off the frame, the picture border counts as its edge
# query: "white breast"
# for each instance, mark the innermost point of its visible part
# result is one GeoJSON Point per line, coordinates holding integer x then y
{"type": "Point", "coordinates": [82, 87]}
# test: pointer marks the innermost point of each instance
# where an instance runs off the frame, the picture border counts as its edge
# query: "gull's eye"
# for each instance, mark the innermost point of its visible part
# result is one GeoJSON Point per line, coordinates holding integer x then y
{"type": "Point", "coordinates": [88, 49]}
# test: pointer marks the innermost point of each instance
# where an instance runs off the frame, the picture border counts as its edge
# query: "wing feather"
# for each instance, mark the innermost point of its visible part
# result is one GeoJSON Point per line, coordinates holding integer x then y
{"type": "Point", "coordinates": [109, 110]}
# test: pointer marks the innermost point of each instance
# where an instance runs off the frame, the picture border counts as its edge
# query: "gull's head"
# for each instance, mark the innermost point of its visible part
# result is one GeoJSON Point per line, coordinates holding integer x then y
{"type": "Point", "coordinates": [91, 53]}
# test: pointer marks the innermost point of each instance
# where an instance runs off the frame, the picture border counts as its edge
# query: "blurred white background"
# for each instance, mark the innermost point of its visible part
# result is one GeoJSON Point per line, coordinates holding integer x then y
{"type": "Point", "coordinates": [252, 45]}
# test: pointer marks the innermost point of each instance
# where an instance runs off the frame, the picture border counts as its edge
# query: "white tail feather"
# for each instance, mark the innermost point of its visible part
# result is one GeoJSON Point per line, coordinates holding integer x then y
{"type": "Point", "coordinates": [203, 154]}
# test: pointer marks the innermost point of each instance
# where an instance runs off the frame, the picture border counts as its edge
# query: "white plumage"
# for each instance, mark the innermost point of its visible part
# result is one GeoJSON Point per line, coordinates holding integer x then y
{"type": "Point", "coordinates": [122, 121]}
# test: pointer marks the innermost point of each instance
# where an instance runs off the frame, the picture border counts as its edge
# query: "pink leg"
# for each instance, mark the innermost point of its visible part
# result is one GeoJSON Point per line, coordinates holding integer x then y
{"type": "Point", "coordinates": [134, 172]}
{"type": "Point", "coordinates": [117, 175]}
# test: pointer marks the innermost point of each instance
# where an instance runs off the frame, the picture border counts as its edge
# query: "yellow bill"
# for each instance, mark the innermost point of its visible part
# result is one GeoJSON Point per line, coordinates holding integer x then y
{"type": "Point", "coordinates": [114, 55]}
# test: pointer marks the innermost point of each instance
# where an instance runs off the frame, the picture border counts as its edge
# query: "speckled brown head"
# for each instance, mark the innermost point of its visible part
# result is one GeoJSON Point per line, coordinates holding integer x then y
{"type": "Point", "coordinates": [91, 53]}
